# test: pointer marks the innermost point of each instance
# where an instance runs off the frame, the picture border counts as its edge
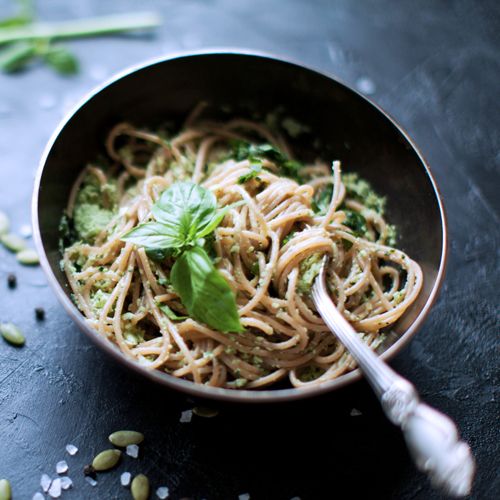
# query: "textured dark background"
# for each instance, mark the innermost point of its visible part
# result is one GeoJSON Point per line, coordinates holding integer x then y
{"type": "Point", "coordinates": [433, 65]}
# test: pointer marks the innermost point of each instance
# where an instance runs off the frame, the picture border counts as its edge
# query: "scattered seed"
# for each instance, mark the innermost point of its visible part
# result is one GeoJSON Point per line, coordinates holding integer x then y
{"type": "Point", "coordinates": [106, 460]}
{"type": "Point", "coordinates": [28, 257]}
{"type": "Point", "coordinates": [125, 478]}
{"type": "Point", "coordinates": [132, 450]}
{"type": "Point", "coordinates": [40, 313]}
{"type": "Point", "coordinates": [140, 487]}
{"type": "Point", "coordinates": [88, 470]}
{"type": "Point", "coordinates": [202, 411]}
{"type": "Point", "coordinates": [162, 492]}
{"type": "Point", "coordinates": [12, 280]}
{"type": "Point", "coordinates": [5, 491]}
{"type": "Point", "coordinates": [55, 488]}
{"type": "Point", "coordinates": [70, 448]}
{"type": "Point", "coordinates": [90, 480]}
{"type": "Point", "coordinates": [355, 412]}
{"type": "Point", "coordinates": [186, 416]}
{"type": "Point", "coordinates": [25, 231]}
{"type": "Point", "coordinates": [124, 438]}
{"type": "Point", "coordinates": [62, 467]}
{"type": "Point", "coordinates": [45, 482]}
{"type": "Point", "coordinates": [4, 223]}
{"type": "Point", "coordinates": [13, 242]}
{"type": "Point", "coordinates": [66, 483]}
{"type": "Point", "coordinates": [12, 334]}
{"type": "Point", "coordinates": [38, 496]}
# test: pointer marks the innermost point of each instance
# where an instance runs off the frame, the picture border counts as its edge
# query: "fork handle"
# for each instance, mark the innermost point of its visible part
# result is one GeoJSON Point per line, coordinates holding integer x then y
{"type": "Point", "coordinates": [431, 436]}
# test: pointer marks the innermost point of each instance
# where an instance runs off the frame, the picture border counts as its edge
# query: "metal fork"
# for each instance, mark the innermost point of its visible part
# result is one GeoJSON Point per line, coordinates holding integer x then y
{"type": "Point", "coordinates": [431, 436]}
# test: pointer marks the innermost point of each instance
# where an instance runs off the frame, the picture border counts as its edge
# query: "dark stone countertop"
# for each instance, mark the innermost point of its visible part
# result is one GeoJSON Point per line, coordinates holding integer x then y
{"type": "Point", "coordinates": [434, 66]}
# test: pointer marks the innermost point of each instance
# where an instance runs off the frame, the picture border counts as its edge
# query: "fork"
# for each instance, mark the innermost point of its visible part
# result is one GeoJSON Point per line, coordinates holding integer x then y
{"type": "Point", "coordinates": [431, 436]}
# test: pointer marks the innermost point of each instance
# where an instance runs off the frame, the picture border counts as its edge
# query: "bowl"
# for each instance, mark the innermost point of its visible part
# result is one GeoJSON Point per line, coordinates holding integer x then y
{"type": "Point", "coordinates": [352, 129]}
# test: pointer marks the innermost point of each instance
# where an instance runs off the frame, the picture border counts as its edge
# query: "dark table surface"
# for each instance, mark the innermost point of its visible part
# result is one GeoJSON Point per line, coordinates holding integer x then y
{"type": "Point", "coordinates": [434, 66]}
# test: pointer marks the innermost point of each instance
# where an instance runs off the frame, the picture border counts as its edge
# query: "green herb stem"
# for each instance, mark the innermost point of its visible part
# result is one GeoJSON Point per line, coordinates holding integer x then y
{"type": "Point", "coordinates": [104, 25]}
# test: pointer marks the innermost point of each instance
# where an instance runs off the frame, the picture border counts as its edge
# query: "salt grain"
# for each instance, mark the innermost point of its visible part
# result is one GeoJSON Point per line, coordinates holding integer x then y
{"type": "Point", "coordinates": [45, 482]}
{"type": "Point", "coordinates": [66, 483]}
{"type": "Point", "coordinates": [186, 416]}
{"type": "Point", "coordinates": [25, 231]}
{"type": "Point", "coordinates": [365, 85]}
{"type": "Point", "coordinates": [55, 488]}
{"type": "Point", "coordinates": [90, 480]}
{"type": "Point", "coordinates": [38, 496]}
{"type": "Point", "coordinates": [132, 450]}
{"type": "Point", "coordinates": [162, 492]}
{"type": "Point", "coordinates": [244, 496]}
{"type": "Point", "coordinates": [71, 449]}
{"type": "Point", "coordinates": [125, 478]}
{"type": "Point", "coordinates": [62, 467]}
{"type": "Point", "coordinates": [355, 412]}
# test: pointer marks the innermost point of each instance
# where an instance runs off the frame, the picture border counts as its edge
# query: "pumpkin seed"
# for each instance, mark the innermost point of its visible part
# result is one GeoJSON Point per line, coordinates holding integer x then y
{"type": "Point", "coordinates": [140, 487]}
{"type": "Point", "coordinates": [203, 411]}
{"type": "Point", "coordinates": [106, 460]}
{"type": "Point", "coordinates": [5, 491]}
{"type": "Point", "coordinates": [126, 438]}
{"type": "Point", "coordinates": [28, 257]}
{"type": "Point", "coordinates": [12, 334]}
{"type": "Point", "coordinates": [4, 223]}
{"type": "Point", "coordinates": [13, 242]}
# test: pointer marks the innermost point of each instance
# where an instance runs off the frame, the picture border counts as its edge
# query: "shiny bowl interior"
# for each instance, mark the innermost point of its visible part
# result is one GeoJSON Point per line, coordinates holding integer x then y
{"type": "Point", "coordinates": [349, 127]}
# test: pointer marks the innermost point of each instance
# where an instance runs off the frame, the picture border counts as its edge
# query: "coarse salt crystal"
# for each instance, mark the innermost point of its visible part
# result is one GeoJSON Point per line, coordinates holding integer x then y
{"type": "Point", "coordinates": [244, 496]}
{"type": "Point", "coordinates": [186, 416]}
{"type": "Point", "coordinates": [38, 496]}
{"type": "Point", "coordinates": [90, 480]}
{"type": "Point", "coordinates": [355, 412]}
{"type": "Point", "coordinates": [125, 478]}
{"type": "Point", "coordinates": [71, 449]}
{"type": "Point", "coordinates": [25, 231]}
{"type": "Point", "coordinates": [55, 488]}
{"type": "Point", "coordinates": [45, 482]}
{"type": "Point", "coordinates": [62, 467]}
{"type": "Point", "coordinates": [162, 492]}
{"type": "Point", "coordinates": [132, 450]}
{"type": "Point", "coordinates": [66, 483]}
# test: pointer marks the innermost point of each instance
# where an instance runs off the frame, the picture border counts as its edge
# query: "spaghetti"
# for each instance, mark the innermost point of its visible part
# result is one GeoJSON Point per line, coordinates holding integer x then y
{"type": "Point", "coordinates": [268, 248]}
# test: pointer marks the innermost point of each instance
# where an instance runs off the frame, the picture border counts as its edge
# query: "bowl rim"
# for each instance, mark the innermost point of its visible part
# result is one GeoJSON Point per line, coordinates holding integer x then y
{"type": "Point", "coordinates": [188, 387]}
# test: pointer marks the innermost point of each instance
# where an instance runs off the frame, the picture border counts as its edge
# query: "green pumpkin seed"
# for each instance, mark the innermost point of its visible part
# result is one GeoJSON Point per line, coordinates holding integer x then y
{"type": "Point", "coordinates": [5, 491]}
{"type": "Point", "coordinates": [12, 334]}
{"type": "Point", "coordinates": [13, 242]}
{"type": "Point", "coordinates": [106, 460]}
{"type": "Point", "coordinates": [203, 411]}
{"type": "Point", "coordinates": [125, 438]}
{"type": "Point", "coordinates": [28, 257]}
{"type": "Point", "coordinates": [140, 487]}
{"type": "Point", "coordinates": [4, 223]}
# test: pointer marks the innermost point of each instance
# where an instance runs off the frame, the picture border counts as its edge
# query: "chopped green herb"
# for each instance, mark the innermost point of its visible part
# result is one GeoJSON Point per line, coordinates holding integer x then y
{"type": "Point", "coordinates": [253, 173]}
{"type": "Point", "coordinates": [356, 222]}
{"type": "Point", "coordinates": [169, 313]}
{"type": "Point", "coordinates": [361, 190]}
{"type": "Point", "coordinates": [309, 268]}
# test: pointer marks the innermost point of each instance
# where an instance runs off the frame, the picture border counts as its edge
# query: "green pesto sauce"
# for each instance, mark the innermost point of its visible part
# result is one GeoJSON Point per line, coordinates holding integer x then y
{"type": "Point", "coordinates": [94, 208]}
{"type": "Point", "coordinates": [360, 190]}
{"type": "Point", "coordinates": [309, 268]}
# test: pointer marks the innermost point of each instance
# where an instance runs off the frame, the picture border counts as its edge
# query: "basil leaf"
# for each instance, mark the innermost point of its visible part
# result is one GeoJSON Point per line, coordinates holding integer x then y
{"type": "Point", "coordinates": [169, 313]}
{"type": "Point", "coordinates": [322, 200]}
{"type": "Point", "coordinates": [186, 209]}
{"type": "Point", "coordinates": [153, 235]}
{"type": "Point", "coordinates": [217, 219]}
{"type": "Point", "coordinates": [204, 292]}
{"type": "Point", "coordinates": [159, 254]}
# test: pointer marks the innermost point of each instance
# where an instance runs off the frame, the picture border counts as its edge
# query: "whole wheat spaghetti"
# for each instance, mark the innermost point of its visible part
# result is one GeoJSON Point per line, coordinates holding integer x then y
{"type": "Point", "coordinates": [268, 248]}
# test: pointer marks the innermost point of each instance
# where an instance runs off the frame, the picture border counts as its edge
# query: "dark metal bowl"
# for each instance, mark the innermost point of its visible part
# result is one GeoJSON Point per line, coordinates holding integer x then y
{"type": "Point", "coordinates": [351, 128]}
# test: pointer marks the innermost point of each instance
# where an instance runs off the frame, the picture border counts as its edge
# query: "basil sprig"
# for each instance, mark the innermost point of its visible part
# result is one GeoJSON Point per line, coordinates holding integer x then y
{"type": "Point", "coordinates": [185, 214]}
